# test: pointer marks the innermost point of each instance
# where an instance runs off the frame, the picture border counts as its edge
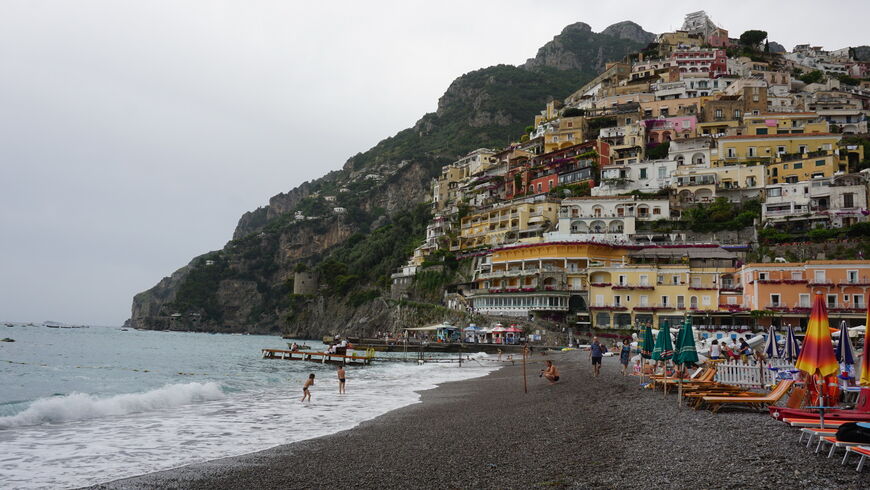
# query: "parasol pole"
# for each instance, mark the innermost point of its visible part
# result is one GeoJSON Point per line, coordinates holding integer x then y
{"type": "Point", "coordinates": [525, 381]}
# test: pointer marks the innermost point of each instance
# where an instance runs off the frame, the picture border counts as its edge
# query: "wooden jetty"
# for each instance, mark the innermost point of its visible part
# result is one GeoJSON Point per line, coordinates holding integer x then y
{"type": "Point", "coordinates": [321, 357]}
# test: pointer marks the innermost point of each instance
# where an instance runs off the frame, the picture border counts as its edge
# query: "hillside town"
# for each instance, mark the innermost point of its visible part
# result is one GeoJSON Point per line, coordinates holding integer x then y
{"type": "Point", "coordinates": [644, 195]}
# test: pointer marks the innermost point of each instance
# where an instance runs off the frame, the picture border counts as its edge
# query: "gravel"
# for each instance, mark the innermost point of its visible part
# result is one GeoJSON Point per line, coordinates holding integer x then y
{"type": "Point", "coordinates": [580, 433]}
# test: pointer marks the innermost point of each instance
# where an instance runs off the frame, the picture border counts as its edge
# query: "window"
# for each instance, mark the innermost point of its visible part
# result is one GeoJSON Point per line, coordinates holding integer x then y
{"type": "Point", "coordinates": [693, 302]}
{"type": "Point", "coordinates": [819, 276]}
{"type": "Point", "coordinates": [621, 281]}
{"type": "Point", "coordinates": [664, 301]}
{"type": "Point", "coordinates": [675, 279]}
{"type": "Point", "coordinates": [858, 301]}
{"type": "Point", "coordinates": [719, 114]}
{"type": "Point", "coordinates": [643, 173]}
{"type": "Point", "coordinates": [851, 277]}
{"type": "Point", "coordinates": [753, 152]}
{"type": "Point", "coordinates": [845, 299]}
{"type": "Point", "coordinates": [774, 300]}
{"type": "Point", "coordinates": [802, 149]}
{"type": "Point", "coordinates": [797, 276]}
{"type": "Point", "coordinates": [663, 172]}
{"type": "Point", "coordinates": [644, 300]}
{"type": "Point", "coordinates": [657, 210]}
{"type": "Point", "coordinates": [761, 131]}
{"type": "Point", "coordinates": [798, 165]}
{"type": "Point", "coordinates": [732, 300]}
{"type": "Point", "coordinates": [644, 280]}
{"type": "Point", "coordinates": [832, 301]}
{"type": "Point", "coordinates": [774, 192]}
{"type": "Point", "coordinates": [762, 276]}
{"type": "Point", "coordinates": [627, 120]}
{"type": "Point", "coordinates": [539, 187]}
{"type": "Point", "coordinates": [617, 300]}
{"type": "Point", "coordinates": [731, 153]}
{"type": "Point", "coordinates": [599, 300]}
{"type": "Point", "coordinates": [804, 301]}
{"type": "Point", "coordinates": [849, 200]}
{"type": "Point", "coordinates": [820, 163]}
{"type": "Point", "coordinates": [705, 300]}
{"type": "Point", "coordinates": [780, 149]}
{"type": "Point", "coordinates": [736, 113]}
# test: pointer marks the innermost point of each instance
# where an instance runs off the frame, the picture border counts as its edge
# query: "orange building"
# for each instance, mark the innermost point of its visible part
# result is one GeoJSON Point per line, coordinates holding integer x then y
{"type": "Point", "coordinates": [787, 289]}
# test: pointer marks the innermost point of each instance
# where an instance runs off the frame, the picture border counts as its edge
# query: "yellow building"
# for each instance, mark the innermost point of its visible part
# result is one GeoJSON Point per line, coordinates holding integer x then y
{"type": "Point", "coordinates": [796, 168]}
{"type": "Point", "coordinates": [751, 147]}
{"type": "Point", "coordinates": [673, 107]}
{"type": "Point", "coordinates": [546, 278]}
{"type": "Point", "coordinates": [659, 284]}
{"type": "Point", "coordinates": [699, 184]}
{"type": "Point", "coordinates": [669, 41]}
{"type": "Point", "coordinates": [782, 123]}
{"type": "Point", "coordinates": [507, 223]}
{"type": "Point", "coordinates": [565, 132]}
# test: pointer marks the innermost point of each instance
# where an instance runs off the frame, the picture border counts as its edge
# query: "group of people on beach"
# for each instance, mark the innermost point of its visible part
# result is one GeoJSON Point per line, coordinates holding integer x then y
{"type": "Point", "coordinates": [309, 382]}
{"type": "Point", "coordinates": [596, 354]}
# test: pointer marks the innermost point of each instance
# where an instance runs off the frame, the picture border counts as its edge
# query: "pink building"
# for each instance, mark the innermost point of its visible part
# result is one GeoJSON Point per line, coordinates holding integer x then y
{"type": "Point", "coordinates": [668, 129]}
{"type": "Point", "coordinates": [697, 60]}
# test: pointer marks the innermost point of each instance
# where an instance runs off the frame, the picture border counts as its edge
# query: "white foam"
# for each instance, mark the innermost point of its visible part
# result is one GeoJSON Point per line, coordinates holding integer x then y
{"type": "Point", "coordinates": [82, 406]}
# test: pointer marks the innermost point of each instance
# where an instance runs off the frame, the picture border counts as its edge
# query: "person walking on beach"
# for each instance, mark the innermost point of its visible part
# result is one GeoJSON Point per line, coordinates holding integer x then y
{"type": "Point", "coordinates": [624, 354]}
{"type": "Point", "coordinates": [341, 380]}
{"type": "Point", "coordinates": [550, 372]}
{"type": "Point", "coordinates": [596, 352]}
{"type": "Point", "coordinates": [308, 383]}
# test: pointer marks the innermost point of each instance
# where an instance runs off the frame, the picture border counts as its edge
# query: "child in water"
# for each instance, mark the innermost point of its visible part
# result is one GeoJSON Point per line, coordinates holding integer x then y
{"type": "Point", "coordinates": [308, 382]}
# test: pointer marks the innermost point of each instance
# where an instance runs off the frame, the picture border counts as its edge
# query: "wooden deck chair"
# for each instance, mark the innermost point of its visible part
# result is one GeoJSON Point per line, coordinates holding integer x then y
{"type": "Point", "coordinates": [796, 398]}
{"type": "Point", "coordinates": [814, 423]}
{"type": "Point", "coordinates": [812, 433]}
{"type": "Point", "coordinates": [863, 451]}
{"type": "Point", "coordinates": [757, 402]}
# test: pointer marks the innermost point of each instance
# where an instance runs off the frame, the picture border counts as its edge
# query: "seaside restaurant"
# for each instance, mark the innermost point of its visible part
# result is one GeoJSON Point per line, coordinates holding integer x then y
{"type": "Point", "coordinates": [441, 332]}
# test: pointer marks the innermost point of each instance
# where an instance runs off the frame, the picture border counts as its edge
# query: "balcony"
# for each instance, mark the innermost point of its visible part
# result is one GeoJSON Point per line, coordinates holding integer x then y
{"type": "Point", "coordinates": [857, 283]}
{"type": "Point", "coordinates": [632, 286]}
{"type": "Point", "coordinates": [609, 307]}
{"type": "Point", "coordinates": [821, 283]}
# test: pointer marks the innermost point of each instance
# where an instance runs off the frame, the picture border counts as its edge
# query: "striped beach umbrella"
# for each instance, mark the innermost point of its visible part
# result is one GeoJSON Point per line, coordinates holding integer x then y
{"type": "Point", "coordinates": [817, 353]}
{"type": "Point", "coordinates": [771, 349]}
{"type": "Point", "coordinates": [865, 362]}
{"type": "Point", "coordinates": [845, 353]}
{"type": "Point", "coordinates": [647, 343]}
{"type": "Point", "coordinates": [685, 352]}
{"type": "Point", "coordinates": [792, 349]}
{"type": "Point", "coordinates": [664, 348]}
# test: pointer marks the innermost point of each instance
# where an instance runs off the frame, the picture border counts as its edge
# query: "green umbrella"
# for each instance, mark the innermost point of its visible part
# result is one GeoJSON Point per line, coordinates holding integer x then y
{"type": "Point", "coordinates": [685, 351]}
{"type": "Point", "coordinates": [647, 342]}
{"type": "Point", "coordinates": [664, 348]}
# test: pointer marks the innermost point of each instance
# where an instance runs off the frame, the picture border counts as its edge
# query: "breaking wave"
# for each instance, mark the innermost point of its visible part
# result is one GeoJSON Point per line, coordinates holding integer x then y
{"type": "Point", "coordinates": [82, 406]}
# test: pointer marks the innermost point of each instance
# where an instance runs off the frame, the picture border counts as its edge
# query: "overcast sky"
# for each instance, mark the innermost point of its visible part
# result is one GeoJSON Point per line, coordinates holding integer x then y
{"type": "Point", "coordinates": [133, 134]}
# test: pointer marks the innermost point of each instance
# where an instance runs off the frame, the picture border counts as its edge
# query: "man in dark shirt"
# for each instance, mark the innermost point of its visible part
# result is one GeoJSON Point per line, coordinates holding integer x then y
{"type": "Point", "coordinates": [596, 352]}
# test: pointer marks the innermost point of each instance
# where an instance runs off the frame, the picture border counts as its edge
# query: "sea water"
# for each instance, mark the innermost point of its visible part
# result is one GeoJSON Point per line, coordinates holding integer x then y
{"type": "Point", "coordinates": [90, 405]}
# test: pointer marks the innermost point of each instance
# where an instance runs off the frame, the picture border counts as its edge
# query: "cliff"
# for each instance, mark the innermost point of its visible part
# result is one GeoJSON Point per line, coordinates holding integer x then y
{"type": "Point", "coordinates": [247, 286]}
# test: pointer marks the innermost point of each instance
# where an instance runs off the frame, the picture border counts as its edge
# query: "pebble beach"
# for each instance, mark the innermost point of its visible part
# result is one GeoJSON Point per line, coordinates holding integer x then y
{"type": "Point", "coordinates": [582, 432]}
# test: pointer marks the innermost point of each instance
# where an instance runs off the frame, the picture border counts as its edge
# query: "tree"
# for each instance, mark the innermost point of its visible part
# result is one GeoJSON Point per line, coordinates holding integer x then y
{"type": "Point", "coordinates": [752, 38]}
{"type": "Point", "coordinates": [573, 112]}
{"type": "Point", "coordinates": [814, 76]}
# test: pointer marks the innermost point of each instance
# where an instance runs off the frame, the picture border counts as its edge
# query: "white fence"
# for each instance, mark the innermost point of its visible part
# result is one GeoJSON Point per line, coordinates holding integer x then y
{"type": "Point", "coordinates": [752, 375]}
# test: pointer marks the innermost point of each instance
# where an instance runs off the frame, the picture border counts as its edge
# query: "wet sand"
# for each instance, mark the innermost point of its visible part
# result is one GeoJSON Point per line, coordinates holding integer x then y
{"type": "Point", "coordinates": [579, 433]}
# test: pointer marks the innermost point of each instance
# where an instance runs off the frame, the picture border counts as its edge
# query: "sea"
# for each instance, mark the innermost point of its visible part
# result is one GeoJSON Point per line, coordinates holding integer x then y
{"type": "Point", "coordinates": [82, 406]}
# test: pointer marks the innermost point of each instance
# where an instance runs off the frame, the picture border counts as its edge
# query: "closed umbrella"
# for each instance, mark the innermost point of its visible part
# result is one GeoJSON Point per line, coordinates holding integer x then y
{"type": "Point", "coordinates": [792, 349]}
{"type": "Point", "coordinates": [646, 345]}
{"type": "Point", "coordinates": [685, 352]}
{"type": "Point", "coordinates": [664, 348]}
{"type": "Point", "coordinates": [865, 362]}
{"type": "Point", "coordinates": [845, 353]}
{"type": "Point", "coordinates": [771, 349]}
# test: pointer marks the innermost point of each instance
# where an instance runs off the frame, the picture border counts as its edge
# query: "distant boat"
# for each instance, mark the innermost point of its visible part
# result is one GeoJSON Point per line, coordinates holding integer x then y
{"type": "Point", "coordinates": [51, 324]}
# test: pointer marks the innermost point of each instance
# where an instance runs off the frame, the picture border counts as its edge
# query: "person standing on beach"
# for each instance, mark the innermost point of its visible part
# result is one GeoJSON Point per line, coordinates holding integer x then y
{"type": "Point", "coordinates": [550, 372]}
{"type": "Point", "coordinates": [715, 350]}
{"type": "Point", "coordinates": [624, 354]}
{"type": "Point", "coordinates": [341, 380]}
{"type": "Point", "coordinates": [308, 383]}
{"type": "Point", "coordinates": [596, 352]}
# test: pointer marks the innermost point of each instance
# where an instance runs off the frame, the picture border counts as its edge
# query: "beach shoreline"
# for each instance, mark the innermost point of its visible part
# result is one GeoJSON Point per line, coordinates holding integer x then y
{"type": "Point", "coordinates": [485, 432]}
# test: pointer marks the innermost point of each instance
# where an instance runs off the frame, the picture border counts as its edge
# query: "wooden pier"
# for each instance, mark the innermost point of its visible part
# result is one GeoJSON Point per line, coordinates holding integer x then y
{"type": "Point", "coordinates": [321, 357]}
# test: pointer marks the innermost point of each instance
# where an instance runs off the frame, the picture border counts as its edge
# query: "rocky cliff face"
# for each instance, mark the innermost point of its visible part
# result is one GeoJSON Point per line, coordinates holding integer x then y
{"type": "Point", "coordinates": [247, 286]}
{"type": "Point", "coordinates": [631, 31]}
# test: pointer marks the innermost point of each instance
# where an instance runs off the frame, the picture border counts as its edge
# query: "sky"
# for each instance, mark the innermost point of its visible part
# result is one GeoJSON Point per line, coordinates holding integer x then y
{"type": "Point", "coordinates": [133, 135]}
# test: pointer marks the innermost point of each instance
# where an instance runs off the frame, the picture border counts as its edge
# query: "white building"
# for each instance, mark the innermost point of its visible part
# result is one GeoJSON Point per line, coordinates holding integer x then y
{"type": "Point", "coordinates": [606, 219]}
{"type": "Point", "coordinates": [646, 176]}
{"type": "Point", "coordinates": [691, 151]}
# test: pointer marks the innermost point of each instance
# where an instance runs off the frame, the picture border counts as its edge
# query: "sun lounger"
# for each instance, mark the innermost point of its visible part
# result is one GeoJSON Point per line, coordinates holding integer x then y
{"type": "Point", "coordinates": [813, 433]}
{"type": "Point", "coordinates": [758, 402]}
{"type": "Point", "coordinates": [835, 443]}
{"type": "Point", "coordinates": [807, 422]}
{"type": "Point", "coordinates": [863, 451]}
